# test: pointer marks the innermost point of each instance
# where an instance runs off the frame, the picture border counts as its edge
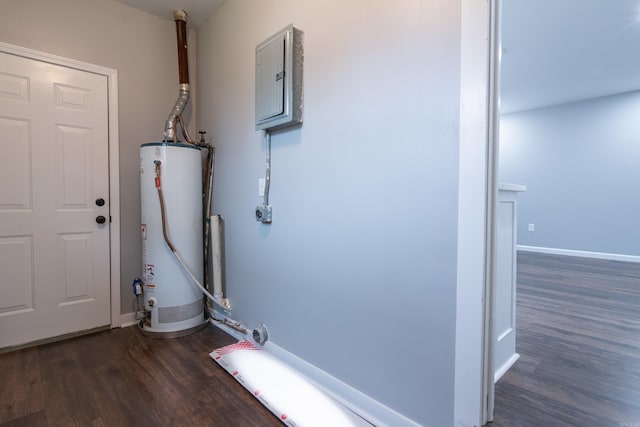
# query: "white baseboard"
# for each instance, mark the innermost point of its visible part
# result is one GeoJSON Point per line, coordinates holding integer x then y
{"type": "Point", "coordinates": [359, 403]}
{"type": "Point", "coordinates": [128, 319]}
{"type": "Point", "coordinates": [583, 254]}
{"type": "Point", "coordinates": [505, 367]}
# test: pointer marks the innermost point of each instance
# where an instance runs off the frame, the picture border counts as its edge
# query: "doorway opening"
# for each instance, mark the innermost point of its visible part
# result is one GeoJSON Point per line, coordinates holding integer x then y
{"type": "Point", "coordinates": [567, 132]}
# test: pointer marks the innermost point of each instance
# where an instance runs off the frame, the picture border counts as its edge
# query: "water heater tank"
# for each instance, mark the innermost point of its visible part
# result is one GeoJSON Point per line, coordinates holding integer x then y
{"type": "Point", "coordinates": [173, 303]}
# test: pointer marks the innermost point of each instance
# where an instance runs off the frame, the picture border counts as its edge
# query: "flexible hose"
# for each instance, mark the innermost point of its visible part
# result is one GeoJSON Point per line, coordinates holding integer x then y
{"type": "Point", "coordinates": [165, 232]}
{"type": "Point", "coordinates": [171, 125]}
{"type": "Point", "coordinates": [167, 239]}
{"type": "Point", "coordinates": [192, 276]}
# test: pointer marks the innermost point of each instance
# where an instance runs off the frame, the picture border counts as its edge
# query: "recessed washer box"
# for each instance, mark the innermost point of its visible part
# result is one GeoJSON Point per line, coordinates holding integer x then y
{"type": "Point", "coordinates": [279, 80]}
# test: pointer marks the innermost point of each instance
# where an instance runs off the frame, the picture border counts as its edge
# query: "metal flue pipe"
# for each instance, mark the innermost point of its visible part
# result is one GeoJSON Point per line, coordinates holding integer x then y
{"type": "Point", "coordinates": [171, 125]}
{"type": "Point", "coordinates": [180, 16]}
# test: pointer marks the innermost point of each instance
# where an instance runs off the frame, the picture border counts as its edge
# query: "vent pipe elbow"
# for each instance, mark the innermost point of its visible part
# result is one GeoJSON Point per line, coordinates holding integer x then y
{"type": "Point", "coordinates": [170, 127]}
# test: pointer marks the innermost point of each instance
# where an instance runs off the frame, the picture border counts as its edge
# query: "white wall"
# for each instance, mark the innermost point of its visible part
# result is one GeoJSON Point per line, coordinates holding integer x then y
{"type": "Point", "coordinates": [357, 273]}
{"type": "Point", "coordinates": [142, 48]}
{"type": "Point", "coordinates": [580, 165]}
{"type": "Point", "coordinates": [358, 270]}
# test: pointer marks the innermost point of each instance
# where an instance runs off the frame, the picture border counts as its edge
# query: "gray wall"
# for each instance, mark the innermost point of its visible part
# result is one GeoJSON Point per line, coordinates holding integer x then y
{"type": "Point", "coordinates": [357, 273]}
{"type": "Point", "coordinates": [142, 48]}
{"type": "Point", "coordinates": [580, 165]}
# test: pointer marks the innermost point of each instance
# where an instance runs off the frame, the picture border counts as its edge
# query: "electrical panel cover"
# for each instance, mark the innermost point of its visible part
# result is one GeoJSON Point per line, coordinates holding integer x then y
{"type": "Point", "coordinates": [279, 80]}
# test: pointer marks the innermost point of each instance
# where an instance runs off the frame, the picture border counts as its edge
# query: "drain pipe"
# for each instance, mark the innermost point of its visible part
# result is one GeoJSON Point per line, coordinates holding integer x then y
{"type": "Point", "coordinates": [171, 125]}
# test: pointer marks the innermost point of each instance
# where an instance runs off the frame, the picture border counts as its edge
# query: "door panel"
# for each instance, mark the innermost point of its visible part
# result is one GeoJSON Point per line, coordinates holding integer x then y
{"type": "Point", "coordinates": [15, 164]}
{"type": "Point", "coordinates": [16, 262]}
{"type": "Point", "coordinates": [54, 257]}
{"type": "Point", "coordinates": [74, 252]}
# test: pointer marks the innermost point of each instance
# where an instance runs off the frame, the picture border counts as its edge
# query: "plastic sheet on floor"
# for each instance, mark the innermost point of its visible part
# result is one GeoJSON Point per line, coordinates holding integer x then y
{"type": "Point", "coordinates": [285, 392]}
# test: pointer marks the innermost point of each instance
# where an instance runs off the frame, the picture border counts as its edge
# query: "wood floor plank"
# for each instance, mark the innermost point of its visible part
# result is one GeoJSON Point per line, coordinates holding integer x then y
{"type": "Point", "coordinates": [66, 386]}
{"type": "Point", "coordinates": [20, 390]}
{"type": "Point", "coordinates": [578, 334]}
{"type": "Point", "coordinates": [123, 378]}
{"type": "Point", "coordinates": [35, 419]}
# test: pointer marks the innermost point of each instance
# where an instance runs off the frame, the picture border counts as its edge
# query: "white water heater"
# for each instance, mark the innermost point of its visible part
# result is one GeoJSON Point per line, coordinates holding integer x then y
{"type": "Point", "coordinates": [173, 304]}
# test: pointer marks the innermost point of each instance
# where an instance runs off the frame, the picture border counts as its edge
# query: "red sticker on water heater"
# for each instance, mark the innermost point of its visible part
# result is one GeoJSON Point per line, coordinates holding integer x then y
{"type": "Point", "coordinates": [148, 273]}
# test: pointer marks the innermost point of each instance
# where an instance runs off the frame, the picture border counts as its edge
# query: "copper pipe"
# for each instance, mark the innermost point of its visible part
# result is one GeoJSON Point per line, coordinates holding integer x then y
{"type": "Point", "coordinates": [163, 212]}
{"type": "Point", "coordinates": [180, 16]}
{"type": "Point", "coordinates": [185, 131]}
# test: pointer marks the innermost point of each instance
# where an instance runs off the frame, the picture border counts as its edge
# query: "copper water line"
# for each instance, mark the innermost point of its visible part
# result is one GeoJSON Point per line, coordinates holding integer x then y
{"type": "Point", "coordinates": [163, 212]}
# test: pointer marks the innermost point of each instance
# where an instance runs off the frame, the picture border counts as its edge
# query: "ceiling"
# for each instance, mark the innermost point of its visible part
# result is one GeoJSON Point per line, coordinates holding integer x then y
{"type": "Point", "coordinates": [197, 10]}
{"type": "Point", "coordinates": [554, 51]}
{"type": "Point", "coordinates": [558, 51]}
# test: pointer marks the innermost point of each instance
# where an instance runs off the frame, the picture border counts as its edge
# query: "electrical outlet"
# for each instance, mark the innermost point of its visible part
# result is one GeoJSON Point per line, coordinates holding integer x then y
{"type": "Point", "coordinates": [263, 214]}
{"type": "Point", "coordinates": [532, 227]}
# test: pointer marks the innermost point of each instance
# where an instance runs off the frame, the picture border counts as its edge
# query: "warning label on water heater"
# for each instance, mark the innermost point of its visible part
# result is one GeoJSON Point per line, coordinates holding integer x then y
{"type": "Point", "coordinates": [148, 273]}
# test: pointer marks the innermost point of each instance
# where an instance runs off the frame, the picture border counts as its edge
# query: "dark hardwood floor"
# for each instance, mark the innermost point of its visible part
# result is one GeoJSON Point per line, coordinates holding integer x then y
{"type": "Point", "coordinates": [578, 335]}
{"type": "Point", "coordinates": [122, 378]}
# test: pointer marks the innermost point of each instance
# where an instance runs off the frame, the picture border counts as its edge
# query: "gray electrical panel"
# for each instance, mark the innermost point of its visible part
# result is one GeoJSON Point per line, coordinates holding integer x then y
{"type": "Point", "coordinates": [279, 80]}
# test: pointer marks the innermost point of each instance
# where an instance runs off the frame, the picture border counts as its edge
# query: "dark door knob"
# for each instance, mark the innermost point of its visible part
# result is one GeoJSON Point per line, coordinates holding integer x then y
{"type": "Point", "coordinates": [100, 202]}
{"type": "Point", "coordinates": [100, 219]}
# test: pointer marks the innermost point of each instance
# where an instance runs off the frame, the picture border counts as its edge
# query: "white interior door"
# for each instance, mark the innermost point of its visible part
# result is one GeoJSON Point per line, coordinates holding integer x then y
{"type": "Point", "coordinates": [54, 256]}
